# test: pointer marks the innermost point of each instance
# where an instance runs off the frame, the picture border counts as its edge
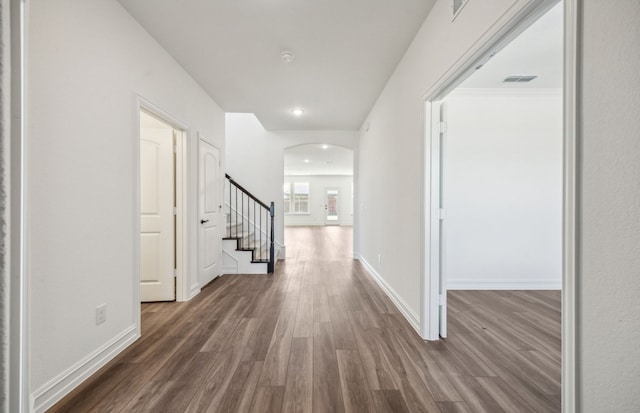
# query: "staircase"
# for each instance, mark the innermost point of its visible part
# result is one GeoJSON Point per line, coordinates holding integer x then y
{"type": "Point", "coordinates": [248, 245]}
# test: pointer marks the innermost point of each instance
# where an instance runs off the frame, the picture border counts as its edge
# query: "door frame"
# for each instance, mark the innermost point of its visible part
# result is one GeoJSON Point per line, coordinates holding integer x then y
{"type": "Point", "coordinates": [337, 221]}
{"type": "Point", "coordinates": [498, 36]}
{"type": "Point", "coordinates": [181, 194]}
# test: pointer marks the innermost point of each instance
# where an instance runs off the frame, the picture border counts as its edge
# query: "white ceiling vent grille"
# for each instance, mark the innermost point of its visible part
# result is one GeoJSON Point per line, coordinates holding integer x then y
{"type": "Point", "coordinates": [519, 79]}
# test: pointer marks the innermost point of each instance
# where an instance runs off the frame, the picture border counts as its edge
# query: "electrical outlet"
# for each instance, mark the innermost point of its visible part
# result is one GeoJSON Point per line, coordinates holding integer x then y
{"type": "Point", "coordinates": [101, 314]}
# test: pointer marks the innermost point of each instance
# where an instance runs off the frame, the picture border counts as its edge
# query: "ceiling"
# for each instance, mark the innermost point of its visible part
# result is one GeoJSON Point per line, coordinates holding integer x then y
{"type": "Point", "coordinates": [536, 51]}
{"type": "Point", "coordinates": [345, 51]}
{"type": "Point", "coordinates": [316, 159]}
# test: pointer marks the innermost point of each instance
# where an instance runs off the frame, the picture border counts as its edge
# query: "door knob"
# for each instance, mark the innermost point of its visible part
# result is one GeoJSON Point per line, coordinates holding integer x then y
{"type": "Point", "coordinates": [204, 221]}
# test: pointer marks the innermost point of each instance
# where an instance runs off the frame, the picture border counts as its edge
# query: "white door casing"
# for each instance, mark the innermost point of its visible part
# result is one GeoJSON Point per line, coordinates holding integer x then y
{"type": "Point", "coordinates": [157, 219]}
{"type": "Point", "coordinates": [442, 290]}
{"type": "Point", "coordinates": [209, 208]}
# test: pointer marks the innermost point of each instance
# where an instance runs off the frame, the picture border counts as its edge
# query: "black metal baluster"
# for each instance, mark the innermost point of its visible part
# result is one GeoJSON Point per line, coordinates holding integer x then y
{"type": "Point", "coordinates": [242, 216]}
{"type": "Point", "coordinates": [272, 212]}
{"type": "Point", "coordinates": [260, 234]}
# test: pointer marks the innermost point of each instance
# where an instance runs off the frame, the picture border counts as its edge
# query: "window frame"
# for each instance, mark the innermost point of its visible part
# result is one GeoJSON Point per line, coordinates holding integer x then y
{"type": "Point", "coordinates": [294, 202]}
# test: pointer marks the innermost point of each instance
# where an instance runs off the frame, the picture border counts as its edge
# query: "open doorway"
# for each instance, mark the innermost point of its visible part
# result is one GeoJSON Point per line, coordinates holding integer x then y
{"type": "Point", "coordinates": [318, 186]}
{"type": "Point", "coordinates": [162, 205]}
{"type": "Point", "coordinates": [496, 172]}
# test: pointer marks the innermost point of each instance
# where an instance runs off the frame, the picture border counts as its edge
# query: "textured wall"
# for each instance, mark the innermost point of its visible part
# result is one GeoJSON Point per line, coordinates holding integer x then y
{"type": "Point", "coordinates": [5, 133]}
{"type": "Point", "coordinates": [609, 283]}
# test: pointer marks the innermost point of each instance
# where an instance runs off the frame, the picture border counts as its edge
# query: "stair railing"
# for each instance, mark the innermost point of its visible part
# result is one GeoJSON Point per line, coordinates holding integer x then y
{"type": "Point", "coordinates": [250, 222]}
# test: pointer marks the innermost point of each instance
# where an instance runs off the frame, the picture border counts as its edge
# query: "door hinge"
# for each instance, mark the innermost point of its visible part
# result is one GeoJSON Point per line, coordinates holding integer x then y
{"type": "Point", "coordinates": [443, 127]}
{"type": "Point", "coordinates": [175, 273]}
{"type": "Point", "coordinates": [175, 148]}
{"type": "Point", "coordinates": [175, 211]}
{"type": "Point", "coordinates": [442, 214]}
{"type": "Point", "coordinates": [442, 299]}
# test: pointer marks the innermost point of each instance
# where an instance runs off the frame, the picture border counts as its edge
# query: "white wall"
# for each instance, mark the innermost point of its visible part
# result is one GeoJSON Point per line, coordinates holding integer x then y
{"type": "Point", "coordinates": [86, 63]}
{"type": "Point", "coordinates": [318, 184]}
{"type": "Point", "coordinates": [389, 178]}
{"type": "Point", "coordinates": [255, 158]}
{"type": "Point", "coordinates": [502, 189]}
{"type": "Point", "coordinates": [609, 264]}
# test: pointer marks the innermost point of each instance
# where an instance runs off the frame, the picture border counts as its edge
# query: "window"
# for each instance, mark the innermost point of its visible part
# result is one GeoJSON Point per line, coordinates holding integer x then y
{"type": "Point", "coordinates": [296, 198]}
{"type": "Point", "coordinates": [287, 197]}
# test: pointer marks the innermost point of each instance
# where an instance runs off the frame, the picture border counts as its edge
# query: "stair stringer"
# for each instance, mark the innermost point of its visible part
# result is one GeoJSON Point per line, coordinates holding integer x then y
{"type": "Point", "coordinates": [239, 260]}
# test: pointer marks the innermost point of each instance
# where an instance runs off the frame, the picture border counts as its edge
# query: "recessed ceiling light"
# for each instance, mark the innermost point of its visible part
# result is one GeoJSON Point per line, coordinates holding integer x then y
{"type": "Point", "coordinates": [306, 161]}
{"type": "Point", "coordinates": [325, 146]}
{"type": "Point", "coordinates": [297, 111]}
{"type": "Point", "coordinates": [287, 56]}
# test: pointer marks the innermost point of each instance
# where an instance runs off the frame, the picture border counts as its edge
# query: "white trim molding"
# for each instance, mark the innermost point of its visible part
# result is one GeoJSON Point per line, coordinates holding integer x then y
{"type": "Point", "coordinates": [195, 290]}
{"type": "Point", "coordinates": [182, 195]}
{"type": "Point", "coordinates": [571, 214]}
{"type": "Point", "coordinates": [410, 315]}
{"type": "Point", "coordinates": [54, 390]}
{"type": "Point", "coordinates": [505, 29]}
{"type": "Point", "coordinates": [19, 388]}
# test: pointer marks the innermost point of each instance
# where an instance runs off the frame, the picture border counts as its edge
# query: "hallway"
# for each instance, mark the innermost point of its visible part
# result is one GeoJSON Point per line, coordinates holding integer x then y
{"type": "Point", "coordinates": [319, 335]}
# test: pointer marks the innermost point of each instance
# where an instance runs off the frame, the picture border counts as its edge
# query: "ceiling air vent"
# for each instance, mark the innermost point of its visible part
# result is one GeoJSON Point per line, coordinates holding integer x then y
{"type": "Point", "coordinates": [519, 79]}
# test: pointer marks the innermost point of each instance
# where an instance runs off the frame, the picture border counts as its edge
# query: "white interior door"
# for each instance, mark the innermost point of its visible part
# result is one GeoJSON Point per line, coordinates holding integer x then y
{"type": "Point", "coordinates": [157, 220]}
{"type": "Point", "coordinates": [331, 206]}
{"type": "Point", "coordinates": [210, 208]}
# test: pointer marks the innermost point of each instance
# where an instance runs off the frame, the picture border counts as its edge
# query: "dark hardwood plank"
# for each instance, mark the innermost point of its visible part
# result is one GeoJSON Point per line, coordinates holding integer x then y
{"type": "Point", "coordinates": [274, 371]}
{"type": "Point", "coordinates": [503, 395]}
{"type": "Point", "coordinates": [356, 392]}
{"type": "Point", "coordinates": [241, 389]}
{"type": "Point", "coordinates": [343, 334]}
{"type": "Point", "coordinates": [268, 400]}
{"type": "Point", "coordinates": [320, 335]}
{"type": "Point", "coordinates": [327, 393]}
{"type": "Point", "coordinates": [476, 397]}
{"type": "Point", "coordinates": [453, 407]}
{"type": "Point", "coordinates": [223, 368]}
{"type": "Point", "coordinates": [386, 401]}
{"type": "Point", "coordinates": [298, 392]}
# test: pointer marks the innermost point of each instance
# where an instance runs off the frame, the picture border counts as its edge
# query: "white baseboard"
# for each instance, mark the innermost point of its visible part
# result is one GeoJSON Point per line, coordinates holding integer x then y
{"type": "Point", "coordinates": [504, 284]}
{"type": "Point", "coordinates": [281, 252]}
{"type": "Point", "coordinates": [54, 390]}
{"type": "Point", "coordinates": [229, 269]}
{"type": "Point", "coordinates": [194, 291]}
{"type": "Point", "coordinates": [401, 305]}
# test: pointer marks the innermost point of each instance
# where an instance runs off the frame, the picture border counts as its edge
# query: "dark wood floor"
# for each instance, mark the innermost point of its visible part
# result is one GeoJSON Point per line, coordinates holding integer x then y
{"type": "Point", "coordinates": [319, 335]}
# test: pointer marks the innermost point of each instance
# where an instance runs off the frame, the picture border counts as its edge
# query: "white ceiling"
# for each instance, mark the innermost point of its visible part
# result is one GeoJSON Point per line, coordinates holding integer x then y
{"type": "Point", "coordinates": [536, 51]}
{"type": "Point", "coordinates": [332, 160]}
{"type": "Point", "coordinates": [345, 52]}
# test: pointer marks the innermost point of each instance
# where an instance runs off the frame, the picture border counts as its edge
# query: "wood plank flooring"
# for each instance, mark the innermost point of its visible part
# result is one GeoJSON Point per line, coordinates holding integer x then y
{"type": "Point", "coordinates": [320, 336]}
